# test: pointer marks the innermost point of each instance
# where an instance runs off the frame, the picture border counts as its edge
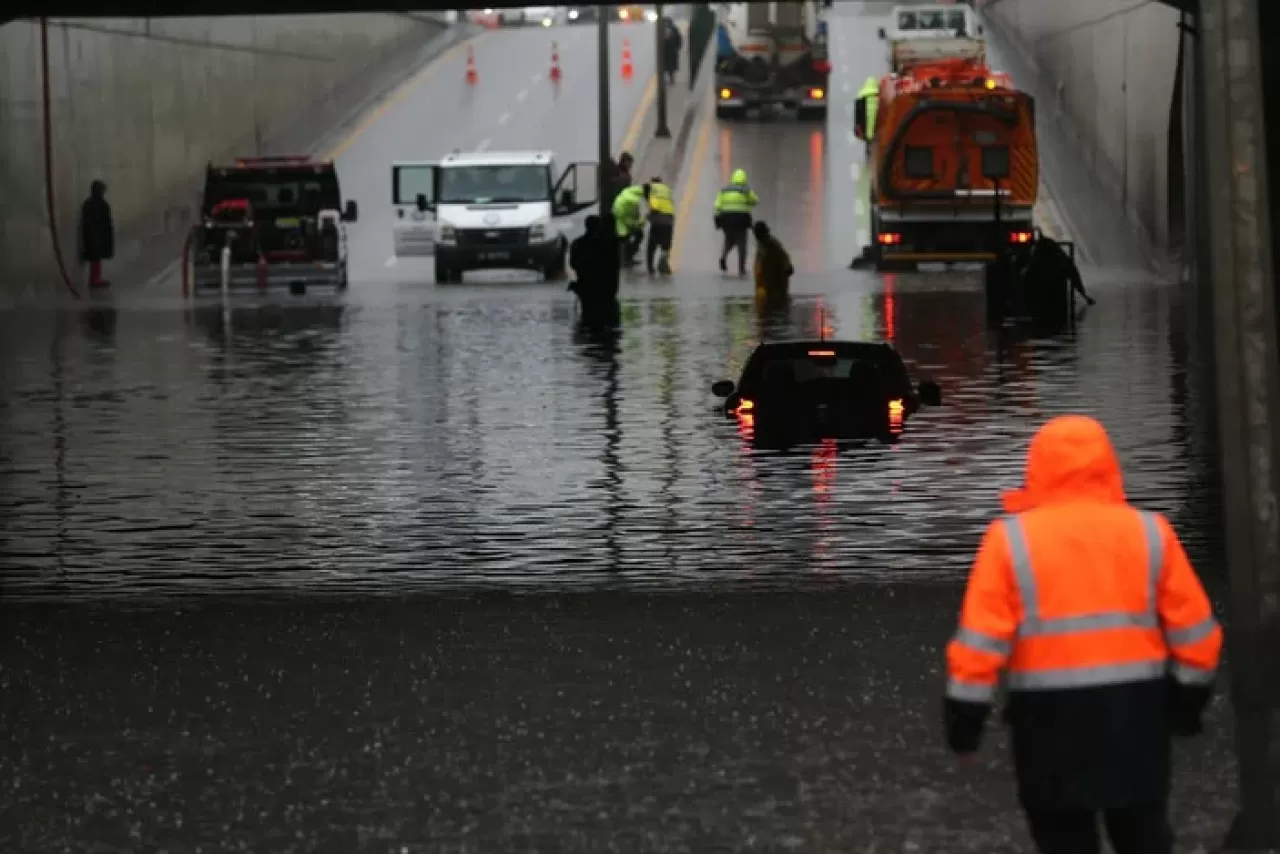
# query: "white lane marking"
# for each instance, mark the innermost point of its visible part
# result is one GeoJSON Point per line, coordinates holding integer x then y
{"type": "Point", "coordinates": [524, 93]}
{"type": "Point", "coordinates": [483, 146]}
{"type": "Point", "coordinates": [844, 69]}
{"type": "Point", "coordinates": [537, 78]}
{"type": "Point", "coordinates": [859, 209]}
{"type": "Point", "coordinates": [390, 262]}
{"type": "Point", "coordinates": [863, 237]}
{"type": "Point", "coordinates": [855, 170]}
{"type": "Point", "coordinates": [852, 137]}
{"type": "Point", "coordinates": [847, 87]}
{"type": "Point", "coordinates": [504, 118]}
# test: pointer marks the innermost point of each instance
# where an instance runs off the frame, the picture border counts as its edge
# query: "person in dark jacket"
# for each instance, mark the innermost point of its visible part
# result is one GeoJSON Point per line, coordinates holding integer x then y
{"type": "Point", "coordinates": [97, 233]}
{"type": "Point", "coordinates": [1049, 270]}
{"type": "Point", "coordinates": [595, 283]}
{"type": "Point", "coordinates": [672, 44]}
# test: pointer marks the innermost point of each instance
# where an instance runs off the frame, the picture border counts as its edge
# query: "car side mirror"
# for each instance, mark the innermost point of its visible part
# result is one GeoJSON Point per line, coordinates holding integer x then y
{"type": "Point", "coordinates": [723, 388]}
{"type": "Point", "coordinates": [930, 394]}
{"type": "Point", "coordinates": [882, 34]}
{"type": "Point", "coordinates": [351, 213]}
{"type": "Point", "coordinates": [421, 201]}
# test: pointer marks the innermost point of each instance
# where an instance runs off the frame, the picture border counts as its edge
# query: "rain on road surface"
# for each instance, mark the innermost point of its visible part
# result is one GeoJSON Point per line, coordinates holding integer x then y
{"type": "Point", "coordinates": [409, 438]}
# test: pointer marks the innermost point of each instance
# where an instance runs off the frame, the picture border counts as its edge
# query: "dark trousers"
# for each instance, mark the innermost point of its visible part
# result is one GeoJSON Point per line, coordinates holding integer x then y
{"type": "Point", "coordinates": [660, 236]}
{"type": "Point", "coordinates": [1132, 830]}
{"type": "Point", "coordinates": [735, 237]}
{"type": "Point", "coordinates": [631, 245]}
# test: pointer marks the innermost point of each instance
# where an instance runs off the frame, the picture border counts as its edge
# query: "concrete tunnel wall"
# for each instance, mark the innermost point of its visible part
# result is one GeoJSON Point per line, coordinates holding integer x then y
{"type": "Point", "coordinates": [145, 103]}
{"type": "Point", "coordinates": [1113, 65]}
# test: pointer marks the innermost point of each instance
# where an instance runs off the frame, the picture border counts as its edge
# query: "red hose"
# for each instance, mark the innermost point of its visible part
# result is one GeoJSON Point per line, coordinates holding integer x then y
{"type": "Point", "coordinates": [48, 156]}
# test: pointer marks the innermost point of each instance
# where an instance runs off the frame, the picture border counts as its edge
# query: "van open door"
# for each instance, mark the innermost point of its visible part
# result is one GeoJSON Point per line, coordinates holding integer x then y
{"type": "Point", "coordinates": [573, 196]}
{"type": "Point", "coordinates": [414, 189]}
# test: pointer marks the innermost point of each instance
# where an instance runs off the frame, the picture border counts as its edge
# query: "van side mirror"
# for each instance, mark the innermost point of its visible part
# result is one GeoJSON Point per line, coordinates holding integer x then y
{"type": "Point", "coordinates": [421, 201]}
{"type": "Point", "coordinates": [350, 213]}
{"type": "Point", "coordinates": [723, 388]}
{"type": "Point", "coordinates": [566, 199]}
{"type": "Point", "coordinates": [930, 394]}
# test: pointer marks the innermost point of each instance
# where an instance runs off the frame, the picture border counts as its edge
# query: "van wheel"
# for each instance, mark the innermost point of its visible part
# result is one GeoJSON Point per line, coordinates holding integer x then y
{"type": "Point", "coordinates": [731, 112]}
{"type": "Point", "coordinates": [815, 114]}
{"type": "Point", "coordinates": [445, 275]}
{"type": "Point", "coordinates": [559, 264]}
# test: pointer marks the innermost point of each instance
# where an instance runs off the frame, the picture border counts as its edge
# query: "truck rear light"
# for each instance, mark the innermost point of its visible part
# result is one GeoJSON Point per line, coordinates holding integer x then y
{"type": "Point", "coordinates": [1020, 237]}
{"type": "Point", "coordinates": [745, 406]}
{"type": "Point", "coordinates": [822, 66]}
{"type": "Point", "coordinates": [895, 415]}
{"type": "Point", "coordinates": [817, 94]}
{"type": "Point", "coordinates": [726, 94]}
{"type": "Point", "coordinates": [889, 238]}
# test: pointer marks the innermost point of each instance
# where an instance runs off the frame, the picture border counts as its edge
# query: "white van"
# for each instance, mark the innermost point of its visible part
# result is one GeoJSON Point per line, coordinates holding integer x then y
{"type": "Point", "coordinates": [492, 211]}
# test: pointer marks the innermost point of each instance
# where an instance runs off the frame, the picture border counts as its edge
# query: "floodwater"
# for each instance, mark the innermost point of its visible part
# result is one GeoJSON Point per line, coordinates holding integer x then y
{"type": "Point", "coordinates": [728, 650]}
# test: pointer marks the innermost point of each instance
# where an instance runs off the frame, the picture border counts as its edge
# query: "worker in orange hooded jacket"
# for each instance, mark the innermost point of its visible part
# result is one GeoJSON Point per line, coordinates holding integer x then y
{"type": "Point", "coordinates": [1106, 640]}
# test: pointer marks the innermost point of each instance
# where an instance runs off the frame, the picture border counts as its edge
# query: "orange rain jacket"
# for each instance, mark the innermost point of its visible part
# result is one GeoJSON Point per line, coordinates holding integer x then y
{"type": "Point", "coordinates": [1091, 610]}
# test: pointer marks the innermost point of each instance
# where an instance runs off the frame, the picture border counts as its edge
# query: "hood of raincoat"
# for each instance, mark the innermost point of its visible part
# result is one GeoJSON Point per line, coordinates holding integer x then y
{"type": "Point", "coordinates": [1070, 459]}
{"type": "Point", "coordinates": [739, 177]}
{"type": "Point", "coordinates": [871, 87]}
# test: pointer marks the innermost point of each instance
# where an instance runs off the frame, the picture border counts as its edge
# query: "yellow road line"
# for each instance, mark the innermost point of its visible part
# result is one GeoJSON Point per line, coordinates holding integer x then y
{"type": "Point", "coordinates": [401, 92]}
{"type": "Point", "coordinates": [633, 130]}
{"type": "Point", "coordinates": [690, 188]}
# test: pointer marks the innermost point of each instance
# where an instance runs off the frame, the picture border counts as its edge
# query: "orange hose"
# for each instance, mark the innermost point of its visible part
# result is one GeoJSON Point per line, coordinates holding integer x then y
{"type": "Point", "coordinates": [47, 98]}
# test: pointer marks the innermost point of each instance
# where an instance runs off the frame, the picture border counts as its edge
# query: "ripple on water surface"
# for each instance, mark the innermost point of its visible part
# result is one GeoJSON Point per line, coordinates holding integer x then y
{"type": "Point", "coordinates": [470, 438]}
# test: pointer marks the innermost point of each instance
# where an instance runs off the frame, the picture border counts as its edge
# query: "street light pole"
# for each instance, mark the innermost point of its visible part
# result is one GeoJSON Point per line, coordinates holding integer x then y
{"type": "Point", "coordinates": [659, 28]}
{"type": "Point", "coordinates": [606, 182]}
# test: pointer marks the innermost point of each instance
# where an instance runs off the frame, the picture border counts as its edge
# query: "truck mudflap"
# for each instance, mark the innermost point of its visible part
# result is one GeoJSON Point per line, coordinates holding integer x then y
{"type": "Point", "coordinates": [275, 276]}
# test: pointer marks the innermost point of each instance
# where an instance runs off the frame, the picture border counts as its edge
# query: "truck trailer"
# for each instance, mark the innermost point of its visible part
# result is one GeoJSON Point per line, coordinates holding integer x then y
{"type": "Point", "coordinates": [771, 55]}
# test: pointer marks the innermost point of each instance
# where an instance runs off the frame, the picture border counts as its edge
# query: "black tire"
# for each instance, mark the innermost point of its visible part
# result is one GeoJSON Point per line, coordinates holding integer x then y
{"type": "Point", "coordinates": [812, 114]}
{"type": "Point", "coordinates": [730, 113]}
{"type": "Point", "coordinates": [559, 266]}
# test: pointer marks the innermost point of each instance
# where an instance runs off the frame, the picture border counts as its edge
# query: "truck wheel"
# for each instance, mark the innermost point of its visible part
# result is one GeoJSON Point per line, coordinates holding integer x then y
{"type": "Point", "coordinates": [730, 113]}
{"type": "Point", "coordinates": [446, 276]}
{"type": "Point", "coordinates": [816, 114]}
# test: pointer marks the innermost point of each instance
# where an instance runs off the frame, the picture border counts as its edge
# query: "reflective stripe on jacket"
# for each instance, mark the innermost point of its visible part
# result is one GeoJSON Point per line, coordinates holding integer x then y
{"type": "Point", "coordinates": [1079, 590]}
{"type": "Point", "coordinates": [660, 199]}
{"type": "Point", "coordinates": [736, 198]}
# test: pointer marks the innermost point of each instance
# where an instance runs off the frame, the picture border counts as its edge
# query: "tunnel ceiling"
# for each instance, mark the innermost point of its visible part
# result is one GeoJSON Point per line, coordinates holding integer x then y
{"type": "Point", "coordinates": [171, 9]}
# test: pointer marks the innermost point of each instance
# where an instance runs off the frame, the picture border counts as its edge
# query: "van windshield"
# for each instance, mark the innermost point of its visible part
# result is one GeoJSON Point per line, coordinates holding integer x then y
{"type": "Point", "coordinates": [485, 185]}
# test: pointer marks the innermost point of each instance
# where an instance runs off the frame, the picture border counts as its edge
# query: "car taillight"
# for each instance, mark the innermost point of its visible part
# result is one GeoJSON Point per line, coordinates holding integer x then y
{"type": "Point", "coordinates": [896, 410]}
{"type": "Point", "coordinates": [889, 238]}
{"type": "Point", "coordinates": [822, 66]}
{"type": "Point", "coordinates": [745, 406]}
{"type": "Point", "coordinates": [1020, 237]}
{"type": "Point", "coordinates": [726, 94]}
{"type": "Point", "coordinates": [816, 94]}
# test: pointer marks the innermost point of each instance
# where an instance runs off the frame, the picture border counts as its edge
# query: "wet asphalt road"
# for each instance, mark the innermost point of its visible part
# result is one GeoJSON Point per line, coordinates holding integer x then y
{"type": "Point", "coordinates": [714, 649]}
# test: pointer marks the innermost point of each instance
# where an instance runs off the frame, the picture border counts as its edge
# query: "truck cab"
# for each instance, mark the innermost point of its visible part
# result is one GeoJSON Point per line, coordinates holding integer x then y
{"type": "Point", "coordinates": [924, 34]}
{"type": "Point", "coordinates": [492, 210]}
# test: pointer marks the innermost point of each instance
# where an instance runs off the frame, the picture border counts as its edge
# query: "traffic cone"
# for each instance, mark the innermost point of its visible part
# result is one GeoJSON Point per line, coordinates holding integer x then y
{"type": "Point", "coordinates": [627, 68]}
{"type": "Point", "coordinates": [555, 62]}
{"type": "Point", "coordinates": [473, 76]}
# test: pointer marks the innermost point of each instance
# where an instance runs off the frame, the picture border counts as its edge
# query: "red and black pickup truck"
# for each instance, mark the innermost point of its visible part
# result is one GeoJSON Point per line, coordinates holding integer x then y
{"type": "Point", "coordinates": [272, 222]}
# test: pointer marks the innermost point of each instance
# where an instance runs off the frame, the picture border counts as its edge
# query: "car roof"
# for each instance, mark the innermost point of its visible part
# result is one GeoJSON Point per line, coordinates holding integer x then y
{"type": "Point", "coordinates": [840, 348]}
{"type": "Point", "coordinates": [497, 158]}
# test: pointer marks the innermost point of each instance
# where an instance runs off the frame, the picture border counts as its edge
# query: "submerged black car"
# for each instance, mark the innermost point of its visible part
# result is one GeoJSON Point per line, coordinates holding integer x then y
{"type": "Point", "coordinates": [797, 392]}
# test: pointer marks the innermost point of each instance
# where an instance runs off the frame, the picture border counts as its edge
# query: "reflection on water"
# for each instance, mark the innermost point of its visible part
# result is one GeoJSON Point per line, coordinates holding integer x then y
{"type": "Point", "coordinates": [478, 440]}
